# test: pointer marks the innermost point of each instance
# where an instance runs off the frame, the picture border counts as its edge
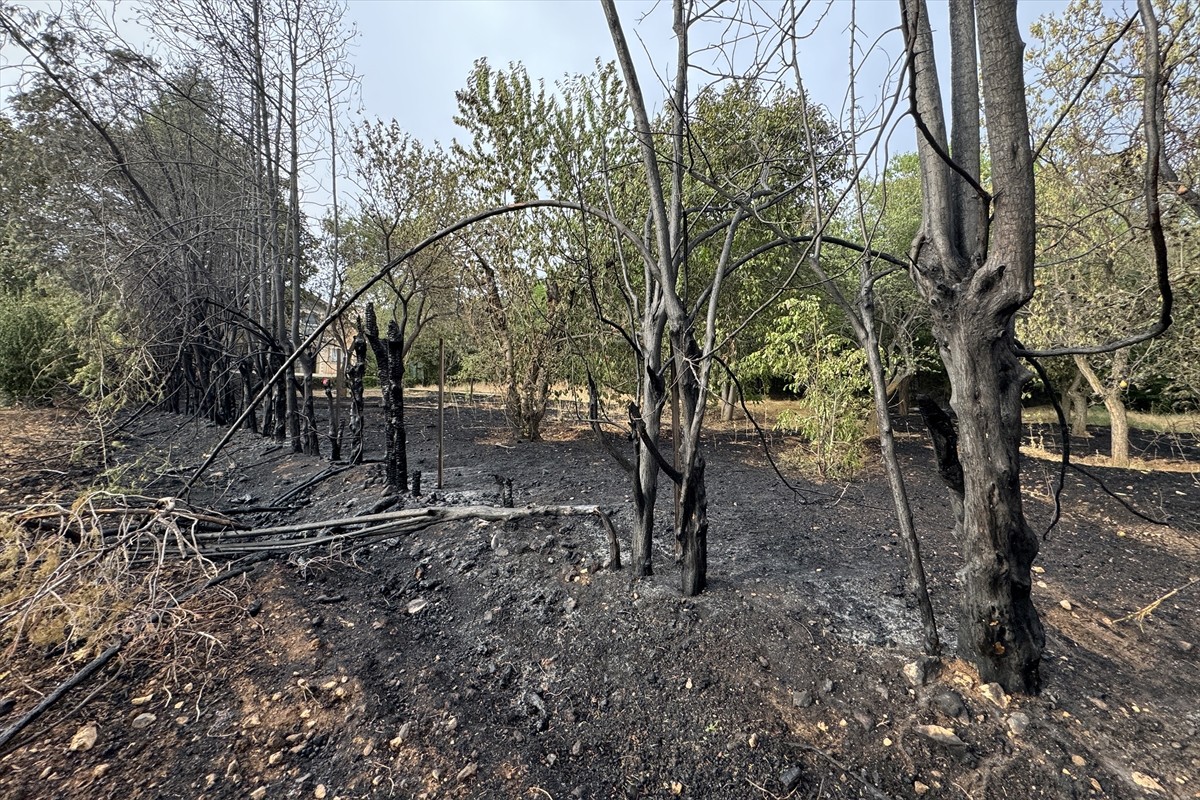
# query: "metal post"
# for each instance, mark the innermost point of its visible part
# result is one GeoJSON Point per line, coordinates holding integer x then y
{"type": "Point", "coordinates": [441, 406]}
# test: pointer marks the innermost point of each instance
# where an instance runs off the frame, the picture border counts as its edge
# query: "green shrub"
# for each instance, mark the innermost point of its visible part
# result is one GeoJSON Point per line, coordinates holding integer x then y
{"type": "Point", "coordinates": [829, 371]}
{"type": "Point", "coordinates": [37, 356]}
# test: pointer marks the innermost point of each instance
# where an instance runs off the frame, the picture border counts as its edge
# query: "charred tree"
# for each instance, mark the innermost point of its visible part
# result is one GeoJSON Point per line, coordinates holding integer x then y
{"type": "Point", "coordinates": [389, 357]}
{"type": "Point", "coordinates": [973, 264]}
{"type": "Point", "coordinates": [311, 438]}
{"type": "Point", "coordinates": [335, 423]}
{"type": "Point", "coordinates": [355, 373]}
{"type": "Point", "coordinates": [250, 386]}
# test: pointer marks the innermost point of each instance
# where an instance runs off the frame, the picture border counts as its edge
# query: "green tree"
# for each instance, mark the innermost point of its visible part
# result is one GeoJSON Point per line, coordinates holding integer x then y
{"type": "Point", "coordinates": [37, 349]}
{"type": "Point", "coordinates": [525, 286]}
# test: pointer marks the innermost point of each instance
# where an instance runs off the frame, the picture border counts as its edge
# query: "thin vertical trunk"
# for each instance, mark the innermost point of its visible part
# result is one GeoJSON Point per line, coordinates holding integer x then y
{"type": "Point", "coordinates": [339, 380]}
{"type": "Point", "coordinates": [645, 476]}
{"type": "Point", "coordinates": [693, 498]}
{"type": "Point", "coordinates": [970, 224]}
{"type": "Point", "coordinates": [335, 425]}
{"type": "Point", "coordinates": [356, 371]}
{"type": "Point", "coordinates": [1119, 424]}
{"type": "Point", "coordinates": [1074, 403]}
{"type": "Point", "coordinates": [729, 399]}
{"type": "Point", "coordinates": [917, 585]}
{"type": "Point", "coordinates": [1113, 403]}
{"type": "Point", "coordinates": [294, 222]}
{"type": "Point", "coordinates": [310, 439]}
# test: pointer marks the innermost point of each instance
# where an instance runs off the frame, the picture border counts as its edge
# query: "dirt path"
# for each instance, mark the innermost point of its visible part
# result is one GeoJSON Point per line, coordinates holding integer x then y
{"type": "Point", "coordinates": [477, 660]}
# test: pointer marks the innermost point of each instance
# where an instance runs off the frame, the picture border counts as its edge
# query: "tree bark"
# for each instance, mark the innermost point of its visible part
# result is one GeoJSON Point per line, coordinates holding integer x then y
{"type": "Point", "coordinates": [645, 475]}
{"type": "Point", "coordinates": [693, 497]}
{"type": "Point", "coordinates": [729, 398]}
{"type": "Point", "coordinates": [693, 512]}
{"type": "Point", "coordinates": [249, 389]}
{"type": "Point", "coordinates": [355, 373]}
{"type": "Point", "coordinates": [999, 628]}
{"type": "Point", "coordinates": [389, 357]}
{"type": "Point", "coordinates": [335, 423]}
{"type": "Point", "coordinates": [917, 584]}
{"type": "Point", "coordinates": [974, 289]}
{"type": "Point", "coordinates": [311, 439]}
{"type": "Point", "coordinates": [1074, 403]}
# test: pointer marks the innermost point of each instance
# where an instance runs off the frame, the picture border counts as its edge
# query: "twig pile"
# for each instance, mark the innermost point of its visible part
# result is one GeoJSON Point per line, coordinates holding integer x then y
{"type": "Point", "coordinates": [283, 538]}
{"type": "Point", "coordinates": [144, 526]}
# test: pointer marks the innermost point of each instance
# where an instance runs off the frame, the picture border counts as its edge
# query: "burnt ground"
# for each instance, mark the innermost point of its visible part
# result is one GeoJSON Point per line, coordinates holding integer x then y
{"type": "Point", "coordinates": [533, 671]}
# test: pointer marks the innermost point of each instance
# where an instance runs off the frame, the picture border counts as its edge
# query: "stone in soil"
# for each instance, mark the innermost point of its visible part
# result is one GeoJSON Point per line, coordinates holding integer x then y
{"type": "Point", "coordinates": [949, 703]}
{"type": "Point", "coordinates": [143, 720]}
{"type": "Point", "coordinates": [1018, 723]}
{"type": "Point", "coordinates": [790, 778]}
{"type": "Point", "coordinates": [940, 735]}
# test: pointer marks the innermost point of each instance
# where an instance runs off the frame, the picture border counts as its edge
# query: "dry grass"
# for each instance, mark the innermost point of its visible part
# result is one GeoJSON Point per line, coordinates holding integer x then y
{"type": "Point", "coordinates": [1098, 415]}
{"type": "Point", "coordinates": [58, 594]}
{"type": "Point", "coordinates": [74, 580]}
{"type": "Point", "coordinates": [1139, 464]}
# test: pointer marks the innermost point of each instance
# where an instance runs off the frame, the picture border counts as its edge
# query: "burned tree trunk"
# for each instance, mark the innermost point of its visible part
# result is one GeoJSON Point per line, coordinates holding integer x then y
{"type": "Point", "coordinates": [335, 422]}
{"type": "Point", "coordinates": [973, 265]}
{"type": "Point", "coordinates": [646, 428]}
{"type": "Point", "coordinates": [692, 530]}
{"type": "Point", "coordinates": [250, 386]}
{"type": "Point", "coordinates": [355, 373]}
{"type": "Point", "coordinates": [693, 515]}
{"type": "Point", "coordinates": [999, 629]}
{"type": "Point", "coordinates": [389, 357]}
{"type": "Point", "coordinates": [310, 439]}
{"type": "Point", "coordinates": [280, 391]}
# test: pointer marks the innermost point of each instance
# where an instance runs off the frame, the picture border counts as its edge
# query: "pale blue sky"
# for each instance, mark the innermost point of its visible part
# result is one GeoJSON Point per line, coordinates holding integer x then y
{"type": "Point", "coordinates": [411, 55]}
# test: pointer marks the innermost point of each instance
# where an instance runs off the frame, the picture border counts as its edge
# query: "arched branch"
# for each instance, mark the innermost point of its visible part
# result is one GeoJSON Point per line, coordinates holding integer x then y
{"type": "Point", "coordinates": [383, 272]}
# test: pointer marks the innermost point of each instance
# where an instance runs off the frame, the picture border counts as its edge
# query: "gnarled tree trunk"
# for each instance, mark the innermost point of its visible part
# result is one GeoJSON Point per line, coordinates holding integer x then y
{"type": "Point", "coordinates": [973, 265]}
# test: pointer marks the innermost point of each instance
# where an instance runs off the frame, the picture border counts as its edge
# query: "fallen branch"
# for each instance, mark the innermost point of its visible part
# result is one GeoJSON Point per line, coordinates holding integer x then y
{"type": "Point", "coordinates": [49, 700]}
{"type": "Point", "coordinates": [324, 474]}
{"type": "Point", "coordinates": [386, 525]}
{"type": "Point", "coordinates": [614, 546]}
{"type": "Point", "coordinates": [871, 789]}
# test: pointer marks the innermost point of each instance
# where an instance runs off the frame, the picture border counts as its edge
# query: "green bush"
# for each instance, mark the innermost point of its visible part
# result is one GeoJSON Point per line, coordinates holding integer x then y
{"type": "Point", "coordinates": [830, 372]}
{"type": "Point", "coordinates": [37, 357]}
